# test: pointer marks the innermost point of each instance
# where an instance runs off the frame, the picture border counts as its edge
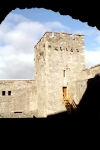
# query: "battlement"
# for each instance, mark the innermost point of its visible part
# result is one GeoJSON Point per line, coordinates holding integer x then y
{"type": "Point", "coordinates": [91, 72]}
{"type": "Point", "coordinates": [63, 35]}
{"type": "Point", "coordinates": [44, 38]}
{"type": "Point", "coordinates": [79, 35]}
{"type": "Point", "coordinates": [95, 66]}
{"type": "Point", "coordinates": [48, 36]}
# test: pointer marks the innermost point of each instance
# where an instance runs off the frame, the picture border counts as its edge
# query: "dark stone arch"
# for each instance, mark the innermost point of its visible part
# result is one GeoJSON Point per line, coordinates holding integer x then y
{"type": "Point", "coordinates": [83, 11]}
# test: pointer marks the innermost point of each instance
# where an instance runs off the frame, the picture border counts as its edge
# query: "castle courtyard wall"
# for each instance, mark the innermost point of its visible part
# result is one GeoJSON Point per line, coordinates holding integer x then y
{"type": "Point", "coordinates": [77, 89]}
{"type": "Point", "coordinates": [22, 99]}
{"type": "Point", "coordinates": [88, 73]}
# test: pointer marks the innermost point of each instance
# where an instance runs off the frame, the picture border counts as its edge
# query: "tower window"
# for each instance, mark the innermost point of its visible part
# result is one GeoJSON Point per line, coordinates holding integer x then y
{"type": "Point", "coordinates": [64, 73]}
{"type": "Point", "coordinates": [3, 93]}
{"type": "Point", "coordinates": [77, 50]}
{"type": "Point", "coordinates": [9, 92]}
{"type": "Point", "coordinates": [17, 112]}
{"type": "Point", "coordinates": [71, 50]}
{"type": "Point", "coordinates": [60, 48]}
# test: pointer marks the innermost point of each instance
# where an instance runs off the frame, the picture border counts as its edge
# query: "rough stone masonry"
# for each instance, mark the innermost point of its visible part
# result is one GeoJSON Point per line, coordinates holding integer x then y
{"type": "Point", "coordinates": [59, 63]}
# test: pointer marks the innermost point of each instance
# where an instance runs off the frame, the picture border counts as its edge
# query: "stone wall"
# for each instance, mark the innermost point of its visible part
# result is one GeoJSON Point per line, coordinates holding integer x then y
{"type": "Point", "coordinates": [95, 70]}
{"type": "Point", "coordinates": [77, 89]}
{"type": "Point", "coordinates": [64, 53]}
{"type": "Point", "coordinates": [22, 99]}
{"type": "Point", "coordinates": [53, 55]}
{"type": "Point", "coordinates": [89, 72]}
{"type": "Point", "coordinates": [40, 76]}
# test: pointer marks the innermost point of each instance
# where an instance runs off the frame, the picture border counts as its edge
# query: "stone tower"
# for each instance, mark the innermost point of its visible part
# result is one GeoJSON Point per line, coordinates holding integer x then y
{"type": "Point", "coordinates": [57, 60]}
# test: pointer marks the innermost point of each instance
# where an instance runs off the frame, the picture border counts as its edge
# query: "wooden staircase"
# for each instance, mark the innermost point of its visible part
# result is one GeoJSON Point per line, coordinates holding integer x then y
{"type": "Point", "coordinates": [69, 102]}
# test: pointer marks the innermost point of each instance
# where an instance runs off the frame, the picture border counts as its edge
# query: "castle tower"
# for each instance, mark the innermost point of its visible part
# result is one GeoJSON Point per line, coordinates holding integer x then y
{"type": "Point", "coordinates": [58, 60]}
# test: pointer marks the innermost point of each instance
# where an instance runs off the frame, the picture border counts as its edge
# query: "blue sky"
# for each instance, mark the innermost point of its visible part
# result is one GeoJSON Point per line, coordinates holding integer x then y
{"type": "Point", "coordinates": [22, 29]}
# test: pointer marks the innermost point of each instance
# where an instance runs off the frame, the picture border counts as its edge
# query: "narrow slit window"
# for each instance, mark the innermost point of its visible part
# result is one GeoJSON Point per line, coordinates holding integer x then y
{"type": "Point", "coordinates": [9, 92]}
{"type": "Point", "coordinates": [60, 48]}
{"type": "Point", "coordinates": [3, 93]}
{"type": "Point", "coordinates": [66, 49]}
{"type": "Point", "coordinates": [64, 73]}
{"type": "Point", "coordinates": [71, 50]}
{"type": "Point", "coordinates": [17, 112]}
{"type": "Point", "coordinates": [77, 50]}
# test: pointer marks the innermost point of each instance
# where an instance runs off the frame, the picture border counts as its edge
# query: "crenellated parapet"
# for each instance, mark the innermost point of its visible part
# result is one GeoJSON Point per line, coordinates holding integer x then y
{"type": "Point", "coordinates": [90, 72]}
{"type": "Point", "coordinates": [44, 38]}
{"type": "Point", "coordinates": [62, 41]}
{"type": "Point", "coordinates": [48, 36]}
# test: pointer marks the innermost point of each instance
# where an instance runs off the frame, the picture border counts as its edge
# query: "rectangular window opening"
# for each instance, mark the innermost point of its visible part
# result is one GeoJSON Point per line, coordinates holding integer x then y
{"type": "Point", "coordinates": [64, 73]}
{"type": "Point", "coordinates": [17, 112]}
{"type": "Point", "coordinates": [3, 93]}
{"type": "Point", "coordinates": [9, 92]}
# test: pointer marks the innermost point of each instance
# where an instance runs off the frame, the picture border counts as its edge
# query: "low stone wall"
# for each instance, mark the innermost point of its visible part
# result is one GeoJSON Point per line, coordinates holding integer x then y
{"type": "Point", "coordinates": [23, 96]}
{"type": "Point", "coordinates": [19, 115]}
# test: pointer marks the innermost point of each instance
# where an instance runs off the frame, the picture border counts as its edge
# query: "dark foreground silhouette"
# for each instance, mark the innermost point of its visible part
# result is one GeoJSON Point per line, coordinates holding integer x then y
{"type": "Point", "coordinates": [88, 110]}
{"type": "Point", "coordinates": [84, 15]}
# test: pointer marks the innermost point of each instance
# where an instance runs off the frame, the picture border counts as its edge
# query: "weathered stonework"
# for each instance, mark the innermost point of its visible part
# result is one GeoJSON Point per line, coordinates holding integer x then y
{"type": "Point", "coordinates": [59, 62]}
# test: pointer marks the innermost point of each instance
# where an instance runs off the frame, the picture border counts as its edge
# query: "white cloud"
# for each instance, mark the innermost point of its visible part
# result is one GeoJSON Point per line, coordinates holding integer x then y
{"type": "Point", "coordinates": [56, 25]}
{"type": "Point", "coordinates": [15, 18]}
{"type": "Point", "coordinates": [92, 57]}
{"type": "Point", "coordinates": [97, 39]}
{"type": "Point", "coordinates": [18, 35]}
{"type": "Point", "coordinates": [87, 32]}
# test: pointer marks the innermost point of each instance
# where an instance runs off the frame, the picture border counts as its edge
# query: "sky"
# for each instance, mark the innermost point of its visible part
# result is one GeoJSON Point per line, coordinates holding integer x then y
{"type": "Point", "coordinates": [22, 29]}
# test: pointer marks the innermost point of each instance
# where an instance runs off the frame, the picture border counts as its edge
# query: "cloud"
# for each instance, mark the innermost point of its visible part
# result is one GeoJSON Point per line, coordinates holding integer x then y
{"type": "Point", "coordinates": [15, 18]}
{"type": "Point", "coordinates": [97, 39]}
{"type": "Point", "coordinates": [56, 25]}
{"type": "Point", "coordinates": [87, 32]}
{"type": "Point", "coordinates": [18, 36]}
{"type": "Point", "coordinates": [92, 57]}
